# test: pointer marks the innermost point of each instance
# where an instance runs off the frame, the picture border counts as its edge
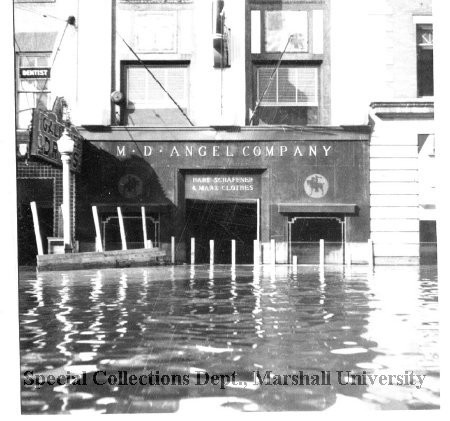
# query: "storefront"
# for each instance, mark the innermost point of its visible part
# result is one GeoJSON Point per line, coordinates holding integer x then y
{"type": "Point", "coordinates": [292, 185]}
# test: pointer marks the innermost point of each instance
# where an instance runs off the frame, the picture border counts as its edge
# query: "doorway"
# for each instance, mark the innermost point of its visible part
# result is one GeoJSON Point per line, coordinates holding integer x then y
{"type": "Point", "coordinates": [305, 233]}
{"type": "Point", "coordinates": [222, 222]}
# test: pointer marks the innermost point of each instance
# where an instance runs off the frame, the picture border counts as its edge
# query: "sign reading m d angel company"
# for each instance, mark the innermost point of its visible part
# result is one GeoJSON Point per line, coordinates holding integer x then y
{"type": "Point", "coordinates": [46, 130]}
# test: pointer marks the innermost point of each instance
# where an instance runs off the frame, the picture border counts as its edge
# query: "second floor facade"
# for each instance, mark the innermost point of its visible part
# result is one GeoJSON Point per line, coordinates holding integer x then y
{"type": "Point", "coordinates": [229, 62]}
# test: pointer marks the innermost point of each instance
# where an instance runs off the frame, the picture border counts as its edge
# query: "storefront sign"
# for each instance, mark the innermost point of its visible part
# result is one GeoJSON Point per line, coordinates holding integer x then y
{"type": "Point", "coordinates": [227, 151]}
{"type": "Point", "coordinates": [222, 186]}
{"type": "Point", "coordinates": [46, 130]}
{"type": "Point", "coordinates": [34, 72]}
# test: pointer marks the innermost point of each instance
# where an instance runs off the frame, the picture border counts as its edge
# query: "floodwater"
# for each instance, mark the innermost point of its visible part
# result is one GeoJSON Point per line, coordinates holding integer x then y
{"type": "Point", "coordinates": [186, 324]}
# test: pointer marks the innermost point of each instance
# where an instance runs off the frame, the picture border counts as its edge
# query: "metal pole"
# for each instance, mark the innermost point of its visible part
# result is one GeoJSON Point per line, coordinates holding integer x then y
{"type": "Point", "coordinates": [258, 218]}
{"type": "Point", "coordinates": [37, 231]}
{"type": "Point", "coordinates": [122, 228]}
{"type": "Point", "coordinates": [65, 158]}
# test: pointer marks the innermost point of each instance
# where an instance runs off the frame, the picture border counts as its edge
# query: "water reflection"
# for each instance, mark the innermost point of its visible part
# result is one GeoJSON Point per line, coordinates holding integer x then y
{"type": "Point", "coordinates": [221, 319]}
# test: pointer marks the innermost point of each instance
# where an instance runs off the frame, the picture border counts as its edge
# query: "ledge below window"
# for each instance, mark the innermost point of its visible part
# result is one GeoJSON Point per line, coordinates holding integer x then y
{"type": "Point", "coordinates": [341, 208]}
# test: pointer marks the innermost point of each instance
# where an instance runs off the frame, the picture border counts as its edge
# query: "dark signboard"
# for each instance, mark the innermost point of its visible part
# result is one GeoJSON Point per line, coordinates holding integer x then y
{"type": "Point", "coordinates": [46, 130]}
{"type": "Point", "coordinates": [222, 186]}
{"type": "Point", "coordinates": [34, 72]}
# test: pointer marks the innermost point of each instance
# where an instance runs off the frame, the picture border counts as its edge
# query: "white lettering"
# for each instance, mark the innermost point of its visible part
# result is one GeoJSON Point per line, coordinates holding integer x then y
{"type": "Point", "coordinates": [283, 149]}
{"type": "Point", "coordinates": [189, 150]}
{"type": "Point", "coordinates": [312, 150]}
{"type": "Point", "coordinates": [174, 151]}
{"type": "Point", "coordinates": [147, 150]}
{"type": "Point", "coordinates": [257, 151]}
{"type": "Point", "coordinates": [202, 150]}
{"type": "Point", "coordinates": [245, 150]}
{"type": "Point", "coordinates": [120, 151]}
{"type": "Point", "coordinates": [228, 152]}
{"type": "Point", "coordinates": [298, 151]}
{"type": "Point", "coordinates": [326, 149]}
{"type": "Point", "coordinates": [269, 151]}
{"type": "Point", "coordinates": [216, 150]}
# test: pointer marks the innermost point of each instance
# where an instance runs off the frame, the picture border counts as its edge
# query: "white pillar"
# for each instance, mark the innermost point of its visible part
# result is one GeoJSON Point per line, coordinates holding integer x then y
{"type": "Point", "coordinates": [211, 252]}
{"type": "Point", "coordinates": [192, 251]}
{"type": "Point", "coordinates": [273, 252]}
{"type": "Point", "coordinates": [256, 252]}
{"type": "Point", "coordinates": [233, 252]}
{"type": "Point", "coordinates": [65, 158]}
{"type": "Point", "coordinates": [37, 231]}
{"type": "Point", "coordinates": [144, 226]}
{"type": "Point", "coordinates": [172, 249]}
{"type": "Point", "coordinates": [98, 236]}
{"type": "Point", "coordinates": [321, 253]}
{"type": "Point", "coordinates": [122, 229]}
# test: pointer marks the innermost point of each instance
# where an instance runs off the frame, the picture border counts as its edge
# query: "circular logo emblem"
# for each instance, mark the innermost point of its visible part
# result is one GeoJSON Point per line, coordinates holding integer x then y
{"type": "Point", "coordinates": [316, 186]}
{"type": "Point", "coordinates": [130, 186]}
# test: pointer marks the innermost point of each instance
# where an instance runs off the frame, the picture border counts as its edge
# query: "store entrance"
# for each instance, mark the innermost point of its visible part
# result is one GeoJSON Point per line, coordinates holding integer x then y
{"type": "Point", "coordinates": [222, 222]}
{"type": "Point", "coordinates": [305, 234]}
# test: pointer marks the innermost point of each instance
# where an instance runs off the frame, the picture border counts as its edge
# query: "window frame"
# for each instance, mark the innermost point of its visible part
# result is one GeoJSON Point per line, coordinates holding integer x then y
{"type": "Point", "coordinates": [421, 21]}
{"type": "Point", "coordinates": [125, 65]}
{"type": "Point", "coordinates": [289, 104]}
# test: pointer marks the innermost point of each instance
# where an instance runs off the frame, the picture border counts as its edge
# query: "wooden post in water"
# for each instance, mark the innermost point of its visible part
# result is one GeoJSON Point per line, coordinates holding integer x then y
{"type": "Point", "coordinates": [122, 228]}
{"type": "Point", "coordinates": [98, 236]}
{"type": "Point", "coordinates": [172, 249]}
{"type": "Point", "coordinates": [370, 253]}
{"type": "Point", "coordinates": [233, 252]}
{"type": "Point", "coordinates": [321, 253]}
{"type": "Point", "coordinates": [211, 252]}
{"type": "Point", "coordinates": [192, 251]}
{"type": "Point", "coordinates": [256, 252]}
{"type": "Point", "coordinates": [37, 231]}
{"type": "Point", "coordinates": [144, 227]}
{"type": "Point", "coordinates": [273, 252]}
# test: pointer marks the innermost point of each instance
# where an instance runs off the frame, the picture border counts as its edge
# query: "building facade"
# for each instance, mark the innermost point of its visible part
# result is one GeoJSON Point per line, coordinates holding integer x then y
{"type": "Point", "coordinates": [244, 120]}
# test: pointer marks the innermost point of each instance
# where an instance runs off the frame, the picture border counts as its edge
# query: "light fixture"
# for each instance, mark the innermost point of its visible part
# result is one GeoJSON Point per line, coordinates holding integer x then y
{"type": "Point", "coordinates": [23, 149]}
{"type": "Point", "coordinates": [65, 143]}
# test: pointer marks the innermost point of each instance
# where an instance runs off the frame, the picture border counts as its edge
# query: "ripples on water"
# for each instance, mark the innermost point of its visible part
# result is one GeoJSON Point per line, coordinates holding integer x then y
{"type": "Point", "coordinates": [187, 319]}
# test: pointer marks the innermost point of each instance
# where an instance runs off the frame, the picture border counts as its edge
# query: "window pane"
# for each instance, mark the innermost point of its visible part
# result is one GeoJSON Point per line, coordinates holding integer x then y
{"type": "Point", "coordinates": [425, 85]}
{"type": "Point", "coordinates": [293, 86]}
{"type": "Point", "coordinates": [280, 25]}
{"type": "Point", "coordinates": [145, 93]}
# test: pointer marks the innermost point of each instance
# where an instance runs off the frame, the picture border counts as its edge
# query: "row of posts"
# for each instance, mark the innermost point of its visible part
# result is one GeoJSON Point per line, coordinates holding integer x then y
{"type": "Point", "coordinates": [257, 252]}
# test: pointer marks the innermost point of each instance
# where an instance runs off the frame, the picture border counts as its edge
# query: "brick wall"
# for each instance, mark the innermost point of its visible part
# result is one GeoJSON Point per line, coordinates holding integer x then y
{"type": "Point", "coordinates": [38, 170]}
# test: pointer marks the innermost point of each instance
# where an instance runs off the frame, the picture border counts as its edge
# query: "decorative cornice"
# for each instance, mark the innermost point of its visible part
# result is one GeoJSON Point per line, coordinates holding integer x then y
{"type": "Point", "coordinates": [404, 109]}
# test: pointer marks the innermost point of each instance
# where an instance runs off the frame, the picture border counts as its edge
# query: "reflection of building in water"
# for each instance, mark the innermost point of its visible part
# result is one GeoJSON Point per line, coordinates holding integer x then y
{"type": "Point", "coordinates": [269, 120]}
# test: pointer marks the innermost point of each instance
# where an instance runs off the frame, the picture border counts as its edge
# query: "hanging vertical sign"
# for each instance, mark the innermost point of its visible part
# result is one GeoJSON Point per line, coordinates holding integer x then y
{"type": "Point", "coordinates": [46, 130]}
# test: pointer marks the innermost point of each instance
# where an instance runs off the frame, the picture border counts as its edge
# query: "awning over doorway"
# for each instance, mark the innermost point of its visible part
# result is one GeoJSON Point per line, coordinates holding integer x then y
{"type": "Point", "coordinates": [347, 208]}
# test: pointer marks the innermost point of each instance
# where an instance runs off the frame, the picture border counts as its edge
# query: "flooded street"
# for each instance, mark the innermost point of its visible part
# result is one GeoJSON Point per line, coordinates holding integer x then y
{"type": "Point", "coordinates": [183, 322]}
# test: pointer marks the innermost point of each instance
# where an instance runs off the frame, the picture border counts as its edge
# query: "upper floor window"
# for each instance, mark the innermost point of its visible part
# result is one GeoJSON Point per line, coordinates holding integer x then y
{"type": "Point", "coordinates": [33, 85]}
{"type": "Point", "coordinates": [290, 97]}
{"type": "Point", "coordinates": [424, 39]}
{"type": "Point", "coordinates": [147, 103]}
{"type": "Point", "coordinates": [284, 25]}
{"type": "Point", "coordinates": [297, 31]}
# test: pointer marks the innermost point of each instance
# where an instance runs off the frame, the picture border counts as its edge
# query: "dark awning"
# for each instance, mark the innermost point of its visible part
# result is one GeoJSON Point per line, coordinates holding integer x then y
{"type": "Point", "coordinates": [348, 208]}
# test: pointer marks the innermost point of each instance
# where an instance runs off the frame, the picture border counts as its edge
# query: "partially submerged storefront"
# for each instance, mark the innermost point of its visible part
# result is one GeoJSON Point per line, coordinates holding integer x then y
{"type": "Point", "coordinates": [292, 185]}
